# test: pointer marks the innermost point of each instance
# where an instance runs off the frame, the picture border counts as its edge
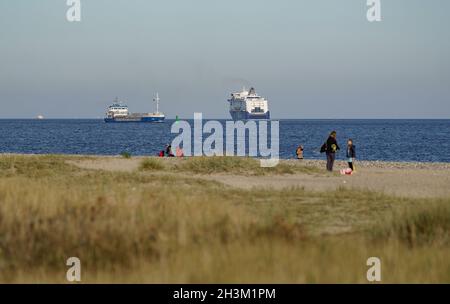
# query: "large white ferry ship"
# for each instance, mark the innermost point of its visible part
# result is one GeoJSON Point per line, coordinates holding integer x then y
{"type": "Point", "coordinates": [246, 105]}
{"type": "Point", "coordinates": [118, 112]}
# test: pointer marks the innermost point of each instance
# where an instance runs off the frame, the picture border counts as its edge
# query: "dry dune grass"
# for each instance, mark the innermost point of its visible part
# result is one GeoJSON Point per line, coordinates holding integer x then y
{"type": "Point", "coordinates": [215, 165]}
{"type": "Point", "coordinates": [425, 224]}
{"type": "Point", "coordinates": [236, 165]}
{"type": "Point", "coordinates": [151, 226]}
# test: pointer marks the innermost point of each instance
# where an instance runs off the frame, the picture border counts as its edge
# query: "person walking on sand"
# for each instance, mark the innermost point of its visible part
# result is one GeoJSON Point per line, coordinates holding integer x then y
{"type": "Point", "coordinates": [351, 154]}
{"type": "Point", "coordinates": [330, 147]}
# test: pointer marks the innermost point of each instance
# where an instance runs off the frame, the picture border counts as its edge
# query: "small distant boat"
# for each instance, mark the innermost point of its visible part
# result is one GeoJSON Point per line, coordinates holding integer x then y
{"type": "Point", "coordinates": [40, 117]}
{"type": "Point", "coordinates": [118, 112]}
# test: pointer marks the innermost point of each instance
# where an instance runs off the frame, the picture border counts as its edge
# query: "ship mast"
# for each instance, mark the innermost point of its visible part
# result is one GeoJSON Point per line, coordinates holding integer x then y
{"type": "Point", "coordinates": [156, 99]}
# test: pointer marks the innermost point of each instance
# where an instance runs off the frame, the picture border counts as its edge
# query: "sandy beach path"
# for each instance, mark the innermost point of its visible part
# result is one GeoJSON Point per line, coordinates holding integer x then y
{"type": "Point", "coordinates": [401, 179]}
{"type": "Point", "coordinates": [418, 183]}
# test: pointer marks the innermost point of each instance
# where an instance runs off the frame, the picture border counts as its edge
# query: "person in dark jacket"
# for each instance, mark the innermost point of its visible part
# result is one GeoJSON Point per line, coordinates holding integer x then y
{"type": "Point", "coordinates": [331, 148]}
{"type": "Point", "coordinates": [351, 154]}
{"type": "Point", "coordinates": [169, 152]}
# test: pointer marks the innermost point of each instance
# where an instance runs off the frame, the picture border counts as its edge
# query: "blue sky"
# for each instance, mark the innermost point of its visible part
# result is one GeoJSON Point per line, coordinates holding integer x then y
{"type": "Point", "coordinates": [311, 59]}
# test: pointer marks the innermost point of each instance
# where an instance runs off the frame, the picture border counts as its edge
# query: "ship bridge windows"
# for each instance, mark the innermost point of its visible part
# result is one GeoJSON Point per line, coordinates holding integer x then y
{"type": "Point", "coordinates": [257, 110]}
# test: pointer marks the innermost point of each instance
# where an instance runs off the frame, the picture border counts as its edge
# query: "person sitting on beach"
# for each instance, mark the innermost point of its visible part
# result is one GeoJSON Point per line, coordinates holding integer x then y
{"type": "Point", "coordinates": [169, 152]}
{"type": "Point", "coordinates": [161, 153]}
{"type": "Point", "coordinates": [179, 152]}
{"type": "Point", "coordinates": [330, 147]}
{"type": "Point", "coordinates": [299, 152]}
{"type": "Point", "coordinates": [351, 154]}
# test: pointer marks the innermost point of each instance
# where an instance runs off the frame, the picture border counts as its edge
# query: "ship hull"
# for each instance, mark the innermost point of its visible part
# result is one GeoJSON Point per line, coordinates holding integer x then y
{"type": "Point", "coordinates": [244, 115]}
{"type": "Point", "coordinates": [135, 119]}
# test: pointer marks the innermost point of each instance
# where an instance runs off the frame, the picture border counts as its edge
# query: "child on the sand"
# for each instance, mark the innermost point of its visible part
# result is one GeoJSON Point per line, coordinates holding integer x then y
{"type": "Point", "coordinates": [351, 154]}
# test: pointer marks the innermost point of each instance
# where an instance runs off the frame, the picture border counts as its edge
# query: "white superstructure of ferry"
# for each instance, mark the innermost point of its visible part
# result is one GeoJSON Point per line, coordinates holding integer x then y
{"type": "Point", "coordinates": [247, 105]}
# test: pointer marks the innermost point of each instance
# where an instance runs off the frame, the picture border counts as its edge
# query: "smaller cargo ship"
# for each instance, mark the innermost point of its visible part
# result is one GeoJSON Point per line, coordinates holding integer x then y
{"type": "Point", "coordinates": [118, 112]}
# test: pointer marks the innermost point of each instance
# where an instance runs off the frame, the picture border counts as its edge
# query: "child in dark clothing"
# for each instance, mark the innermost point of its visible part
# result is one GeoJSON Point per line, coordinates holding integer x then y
{"type": "Point", "coordinates": [351, 154]}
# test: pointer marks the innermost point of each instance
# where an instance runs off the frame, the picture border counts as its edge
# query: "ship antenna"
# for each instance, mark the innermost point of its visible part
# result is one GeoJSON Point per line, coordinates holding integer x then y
{"type": "Point", "coordinates": [157, 102]}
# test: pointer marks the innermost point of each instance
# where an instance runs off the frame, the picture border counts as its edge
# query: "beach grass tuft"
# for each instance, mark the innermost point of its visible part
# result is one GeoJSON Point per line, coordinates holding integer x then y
{"type": "Point", "coordinates": [125, 154]}
{"type": "Point", "coordinates": [151, 164]}
{"type": "Point", "coordinates": [231, 165]}
{"type": "Point", "coordinates": [420, 225]}
{"type": "Point", "coordinates": [219, 164]}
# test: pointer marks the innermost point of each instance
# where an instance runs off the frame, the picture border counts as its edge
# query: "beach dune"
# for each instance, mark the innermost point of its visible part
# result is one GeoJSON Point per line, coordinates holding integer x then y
{"type": "Point", "coordinates": [221, 220]}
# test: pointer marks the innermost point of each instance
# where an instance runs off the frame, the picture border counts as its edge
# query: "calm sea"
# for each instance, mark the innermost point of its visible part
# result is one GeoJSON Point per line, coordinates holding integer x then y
{"type": "Point", "coordinates": [387, 140]}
